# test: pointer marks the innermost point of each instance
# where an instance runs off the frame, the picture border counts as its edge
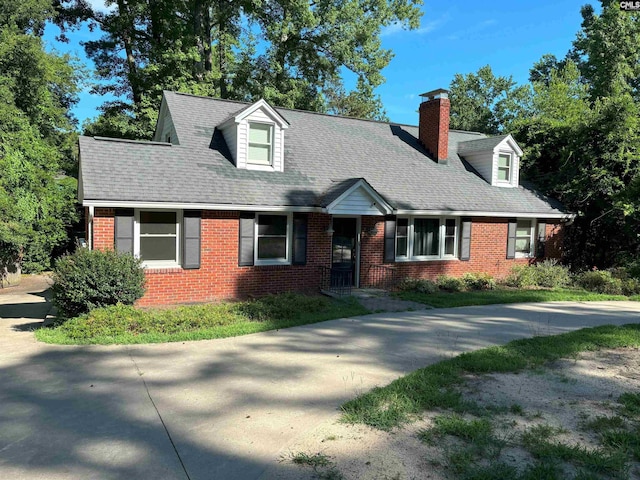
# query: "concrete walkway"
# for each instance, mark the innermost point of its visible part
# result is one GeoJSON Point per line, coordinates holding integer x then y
{"type": "Point", "coordinates": [223, 409]}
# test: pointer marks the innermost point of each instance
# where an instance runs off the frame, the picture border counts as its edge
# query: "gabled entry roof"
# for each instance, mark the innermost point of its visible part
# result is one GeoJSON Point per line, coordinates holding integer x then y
{"type": "Point", "coordinates": [358, 198]}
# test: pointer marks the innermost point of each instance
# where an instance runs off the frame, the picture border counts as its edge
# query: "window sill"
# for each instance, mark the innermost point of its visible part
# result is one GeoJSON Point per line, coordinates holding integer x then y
{"type": "Point", "coordinates": [161, 266]}
{"type": "Point", "coordinates": [271, 263]}
{"type": "Point", "coordinates": [422, 260]}
{"type": "Point", "coordinates": [261, 168]}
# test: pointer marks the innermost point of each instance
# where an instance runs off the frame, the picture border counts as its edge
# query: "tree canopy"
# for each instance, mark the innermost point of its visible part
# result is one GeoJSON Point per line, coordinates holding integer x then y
{"type": "Point", "coordinates": [582, 136]}
{"type": "Point", "coordinates": [483, 102]}
{"type": "Point", "coordinates": [294, 54]}
{"type": "Point", "coordinates": [37, 88]}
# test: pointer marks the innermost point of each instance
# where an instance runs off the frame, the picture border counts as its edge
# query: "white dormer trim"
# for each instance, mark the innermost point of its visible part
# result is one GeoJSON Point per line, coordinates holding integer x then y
{"type": "Point", "coordinates": [508, 146]}
{"type": "Point", "coordinates": [487, 161]}
{"type": "Point", "coordinates": [359, 199]}
{"type": "Point", "coordinates": [236, 131]}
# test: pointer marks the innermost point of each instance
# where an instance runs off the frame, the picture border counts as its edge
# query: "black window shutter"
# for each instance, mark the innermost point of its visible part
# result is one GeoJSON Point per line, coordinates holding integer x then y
{"type": "Point", "coordinates": [390, 239]}
{"type": "Point", "coordinates": [511, 238]}
{"type": "Point", "coordinates": [123, 230]}
{"type": "Point", "coordinates": [246, 240]}
{"type": "Point", "coordinates": [465, 239]}
{"type": "Point", "coordinates": [541, 240]}
{"type": "Point", "coordinates": [300, 238]}
{"type": "Point", "coordinates": [191, 239]}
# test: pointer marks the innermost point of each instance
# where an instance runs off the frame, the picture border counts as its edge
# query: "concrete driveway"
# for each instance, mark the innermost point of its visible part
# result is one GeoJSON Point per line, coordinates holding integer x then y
{"type": "Point", "coordinates": [223, 409]}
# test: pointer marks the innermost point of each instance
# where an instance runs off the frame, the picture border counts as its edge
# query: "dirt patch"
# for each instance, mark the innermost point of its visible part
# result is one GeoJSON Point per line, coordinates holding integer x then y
{"type": "Point", "coordinates": [29, 284]}
{"type": "Point", "coordinates": [571, 402]}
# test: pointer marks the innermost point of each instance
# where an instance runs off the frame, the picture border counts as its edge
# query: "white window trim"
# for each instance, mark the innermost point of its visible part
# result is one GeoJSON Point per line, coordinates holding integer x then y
{"type": "Point", "coordinates": [441, 235]}
{"type": "Point", "coordinates": [532, 233]}
{"type": "Point", "coordinates": [281, 261]}
{"type": "Point", "coordinates": [511, 165]}
{"type": "Point", "coordinates": [136, 239]}
{"type": "Point", "coordinates": [272, 135]}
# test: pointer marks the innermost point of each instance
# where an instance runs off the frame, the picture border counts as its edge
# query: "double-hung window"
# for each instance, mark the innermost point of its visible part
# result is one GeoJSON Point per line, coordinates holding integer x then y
{"type": "Point", "coordinates": [157, 237]}
{"type": "Point", "coordinates": [524, 238]}
{"type": "Point", "coordinates": [260, 144]}
{"type": "Point", "coordinates": [504, 167]}
{"type": "Point", "coordinates": [426, 238]}
{"type": "Point", "coordinates": [272, 239]}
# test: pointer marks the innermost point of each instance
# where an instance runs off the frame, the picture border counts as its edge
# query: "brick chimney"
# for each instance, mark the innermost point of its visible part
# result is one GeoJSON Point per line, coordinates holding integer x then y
{"type": "Point", "coordinates": [433, 129]}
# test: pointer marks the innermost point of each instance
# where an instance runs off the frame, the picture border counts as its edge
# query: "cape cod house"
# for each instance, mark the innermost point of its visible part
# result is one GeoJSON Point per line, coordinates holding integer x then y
{"type": "Point", "coordinates": [233, 199]}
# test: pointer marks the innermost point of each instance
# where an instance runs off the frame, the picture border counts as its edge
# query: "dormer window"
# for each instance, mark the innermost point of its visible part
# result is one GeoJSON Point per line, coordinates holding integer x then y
{"type": "Point", "coordinates": [504, 167]}
{"type": "Point", "coordinates": [260, 144]}
{"type": "Point", "coordinates": [496, 159]}
{"type": "Point", "coordinates": [255, 137]}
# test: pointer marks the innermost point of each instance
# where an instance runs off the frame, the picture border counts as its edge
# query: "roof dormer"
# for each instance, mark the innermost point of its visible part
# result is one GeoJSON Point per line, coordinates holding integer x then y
{"type": "Point", "coordinates": [255, 137]}
{"type": "Point", "coordinates": [496, 159]}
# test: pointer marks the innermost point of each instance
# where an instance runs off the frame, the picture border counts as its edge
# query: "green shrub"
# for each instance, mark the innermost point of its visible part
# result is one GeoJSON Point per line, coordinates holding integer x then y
{"type": "Point", "coordinates": [285, 306]}
{"type": "Point", "coordinates": [600, 281]}
{"type": "Point", "coordinates": [521, 276]}
{"type": "Point", "coordinates": [450, 284]}
{"type": "Point", "coordinates": [478, 281]}
{"type": "Point", "coordinates": [420, 285]}
{"type": "Point", "coordinates": [550, 274]}
{"type": "Point", "coordinates": [89, 279]}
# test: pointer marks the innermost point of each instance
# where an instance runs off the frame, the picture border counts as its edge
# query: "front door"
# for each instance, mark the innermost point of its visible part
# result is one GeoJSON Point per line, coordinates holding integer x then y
{"type": "Point", "coordinates": [344, 251]}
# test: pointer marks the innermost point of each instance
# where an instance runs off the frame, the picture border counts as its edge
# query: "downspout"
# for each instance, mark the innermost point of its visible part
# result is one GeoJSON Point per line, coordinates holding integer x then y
{"type": "Point", "coordinates": [90, 229]}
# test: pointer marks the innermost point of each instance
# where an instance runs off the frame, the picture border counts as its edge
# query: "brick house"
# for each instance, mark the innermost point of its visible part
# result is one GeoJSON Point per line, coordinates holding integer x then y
{"type": "Point", "coordinates": [233, 199]}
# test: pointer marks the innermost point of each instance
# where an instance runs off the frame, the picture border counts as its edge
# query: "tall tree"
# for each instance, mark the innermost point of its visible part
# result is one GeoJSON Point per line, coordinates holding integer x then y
{"type": "Point", "coordinates": [294, 54]}
{"type": "Point", "coordinates": [486, 103]}
{"type": "Point", "coordinates": [36, 91]}
{"type": "Point", "coordinates": [583, 137]}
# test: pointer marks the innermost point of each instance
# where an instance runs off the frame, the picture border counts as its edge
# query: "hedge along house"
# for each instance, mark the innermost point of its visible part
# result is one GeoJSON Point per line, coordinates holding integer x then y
{"type": "Point", "coordinates": [234, 199]}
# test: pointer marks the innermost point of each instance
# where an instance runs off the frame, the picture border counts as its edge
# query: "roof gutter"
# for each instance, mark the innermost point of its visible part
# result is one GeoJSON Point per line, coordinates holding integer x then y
{"type": "Point", "coordinates": [292, 208]}
{"type": "Point", "coordinates": [471, 213]}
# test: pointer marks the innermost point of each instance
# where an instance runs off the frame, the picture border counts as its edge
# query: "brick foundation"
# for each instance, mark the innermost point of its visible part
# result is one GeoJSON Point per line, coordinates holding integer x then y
{"type": "Point", "coordinates": [220, 277]}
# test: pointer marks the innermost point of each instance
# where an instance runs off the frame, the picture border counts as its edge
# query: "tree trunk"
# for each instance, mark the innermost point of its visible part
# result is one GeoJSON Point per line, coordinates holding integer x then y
{"type": "Point", "coordinates": [127, 40]}
{"type": "Point", "coordinates": [196, 15]}
{"type": "Point", "coordinates": [10, 273]}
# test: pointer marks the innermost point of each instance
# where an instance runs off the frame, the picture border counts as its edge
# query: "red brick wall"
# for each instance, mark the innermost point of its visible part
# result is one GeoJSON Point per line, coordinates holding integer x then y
{"type": "Point", "coordinates": [488, 252]}
{"type": "Point", "coordinates": [433, 130]}
{"type": "Point", "coordinates": [103, 228]}
{"type": "Point", "coordinates": [220, 277]}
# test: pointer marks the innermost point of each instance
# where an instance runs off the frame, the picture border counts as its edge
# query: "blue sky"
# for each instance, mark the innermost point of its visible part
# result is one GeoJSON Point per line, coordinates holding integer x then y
{"type": "Point", "coordinates": [454, 37]}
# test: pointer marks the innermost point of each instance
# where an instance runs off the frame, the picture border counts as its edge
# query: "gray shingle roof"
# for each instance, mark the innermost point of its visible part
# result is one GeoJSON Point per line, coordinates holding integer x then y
{"type": "Point", "coordinates": [323, 153]}
{"type": "Point", "coordinates": [487, 143]}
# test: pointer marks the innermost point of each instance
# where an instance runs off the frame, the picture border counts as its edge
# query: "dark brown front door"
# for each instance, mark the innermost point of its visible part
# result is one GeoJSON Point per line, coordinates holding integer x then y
{"type": "Point", "coordinates": [344, 250]}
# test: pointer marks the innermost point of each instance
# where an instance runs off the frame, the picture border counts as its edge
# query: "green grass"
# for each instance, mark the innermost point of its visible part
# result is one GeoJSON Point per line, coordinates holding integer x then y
{"type": "Point", "coordinates": [434, 386]}
{"type": "Point", "coordinates": [503, 295]}
{"type": "Point", "coordinates": [323, 467]}
{"type": "Point", "coordinates": [316, 460]}
{"type": "Point", "coordinates": [630, 403]}
{"type": "Point", "coordinates": [603, 424]}
{"type": "Point", "coordinates": [475, 430]}
{"type": "Point", "coordinates": [129, 325]}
